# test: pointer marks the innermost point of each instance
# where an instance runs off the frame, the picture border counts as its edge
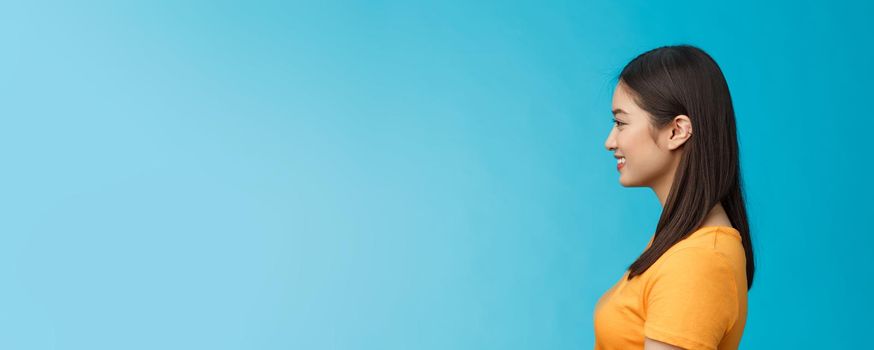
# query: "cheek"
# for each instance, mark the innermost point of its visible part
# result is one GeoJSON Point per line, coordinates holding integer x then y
{"type": "Point", "coordinates": [643, 156]}
{"type": "Point", "coordinates": [630, 142]}
{"type": "Point", "coordinates": [639, 150]}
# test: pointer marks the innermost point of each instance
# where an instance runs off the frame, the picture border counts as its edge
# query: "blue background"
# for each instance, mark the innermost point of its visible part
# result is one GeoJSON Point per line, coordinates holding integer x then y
{"type": "Point", "coordinates": [383, 175]}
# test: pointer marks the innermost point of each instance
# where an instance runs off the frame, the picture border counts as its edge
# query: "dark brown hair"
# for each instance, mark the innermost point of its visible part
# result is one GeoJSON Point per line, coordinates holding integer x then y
{"type": "Point", "coordinates": [669, 81]}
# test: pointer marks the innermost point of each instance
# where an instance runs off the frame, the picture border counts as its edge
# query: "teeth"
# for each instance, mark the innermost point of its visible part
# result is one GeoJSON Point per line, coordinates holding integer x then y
{"type": "Point", "coordinates": [620, 161]}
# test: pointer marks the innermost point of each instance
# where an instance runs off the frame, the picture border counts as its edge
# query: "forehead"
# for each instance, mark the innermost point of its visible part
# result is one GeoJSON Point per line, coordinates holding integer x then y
{"type": "Point", "coordinates": [623, 101]}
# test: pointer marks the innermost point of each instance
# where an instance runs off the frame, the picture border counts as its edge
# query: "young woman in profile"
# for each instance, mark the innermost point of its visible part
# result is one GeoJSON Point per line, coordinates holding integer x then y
{"type": "Point", "coordinates": [674, 131]}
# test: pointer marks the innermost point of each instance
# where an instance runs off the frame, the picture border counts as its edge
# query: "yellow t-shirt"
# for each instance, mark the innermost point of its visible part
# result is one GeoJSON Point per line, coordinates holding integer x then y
{"type": "Point", "coordinates": [694, 296]}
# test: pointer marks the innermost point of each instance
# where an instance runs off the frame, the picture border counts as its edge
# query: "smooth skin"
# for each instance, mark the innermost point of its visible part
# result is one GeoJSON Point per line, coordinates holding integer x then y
{"type": "Point", "coordinates": [651, 158]}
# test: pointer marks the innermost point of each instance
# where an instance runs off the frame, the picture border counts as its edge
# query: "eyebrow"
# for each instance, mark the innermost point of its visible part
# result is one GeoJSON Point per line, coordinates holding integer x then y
{"type": "Point", "coordinates": [619, 110]}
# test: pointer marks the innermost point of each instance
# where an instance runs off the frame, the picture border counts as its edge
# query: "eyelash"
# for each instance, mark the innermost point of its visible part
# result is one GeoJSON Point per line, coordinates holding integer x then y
{"type": "Point", "coordinates": [618, 122]}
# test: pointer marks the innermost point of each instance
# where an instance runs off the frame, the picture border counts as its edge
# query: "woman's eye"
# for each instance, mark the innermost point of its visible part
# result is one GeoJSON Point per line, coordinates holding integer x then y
{"type": "Point", "coordinates": [618, 123]}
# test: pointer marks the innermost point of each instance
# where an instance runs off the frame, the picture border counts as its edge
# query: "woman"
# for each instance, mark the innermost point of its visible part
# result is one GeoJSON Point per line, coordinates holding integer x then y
{"type": "Point", "coordinates": [674, 131]}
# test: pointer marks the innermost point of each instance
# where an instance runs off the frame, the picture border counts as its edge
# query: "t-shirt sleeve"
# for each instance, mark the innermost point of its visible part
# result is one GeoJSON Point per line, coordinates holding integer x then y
{"type": "Point", "coordinates": [692, 300]}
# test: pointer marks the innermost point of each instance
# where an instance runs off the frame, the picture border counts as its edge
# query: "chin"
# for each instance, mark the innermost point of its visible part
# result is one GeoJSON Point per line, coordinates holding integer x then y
{"type": "Point", "coordinates": [627, 183]}
{"type": "Point", "coordinates": [623, 182]}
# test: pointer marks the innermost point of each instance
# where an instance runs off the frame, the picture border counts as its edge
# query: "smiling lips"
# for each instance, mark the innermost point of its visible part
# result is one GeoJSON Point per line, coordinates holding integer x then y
{"type": "Point", "coordinates": [620, 162]}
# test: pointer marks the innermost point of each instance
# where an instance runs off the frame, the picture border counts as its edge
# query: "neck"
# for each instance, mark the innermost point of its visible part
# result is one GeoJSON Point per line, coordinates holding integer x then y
{"type": "Point", "coordinates": [662, 187]}
{"type": "Point", "coordinates": [717, 217]}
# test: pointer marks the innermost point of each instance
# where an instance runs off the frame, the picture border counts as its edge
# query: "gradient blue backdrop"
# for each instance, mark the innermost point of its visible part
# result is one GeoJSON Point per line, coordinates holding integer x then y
{"type": "Point", "coordinates": [383, 175]}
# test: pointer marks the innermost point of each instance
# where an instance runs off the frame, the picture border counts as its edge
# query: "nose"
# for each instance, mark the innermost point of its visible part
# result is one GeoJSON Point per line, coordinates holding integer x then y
{"type": "Point", "coordinates": [610, 143]}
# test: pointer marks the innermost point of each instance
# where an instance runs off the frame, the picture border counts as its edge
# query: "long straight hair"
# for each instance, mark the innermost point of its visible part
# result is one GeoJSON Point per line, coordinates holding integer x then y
{"type": "Point", "coordinates": [669, 81]}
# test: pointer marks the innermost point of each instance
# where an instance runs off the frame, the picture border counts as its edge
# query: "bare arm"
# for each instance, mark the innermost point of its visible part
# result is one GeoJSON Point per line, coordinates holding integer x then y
{"type": "Point", "coordinates": [652, 344]}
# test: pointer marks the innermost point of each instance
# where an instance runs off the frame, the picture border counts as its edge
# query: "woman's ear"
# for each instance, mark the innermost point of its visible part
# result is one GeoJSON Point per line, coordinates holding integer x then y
{"type": "Point", "coordinates": [680, 131]}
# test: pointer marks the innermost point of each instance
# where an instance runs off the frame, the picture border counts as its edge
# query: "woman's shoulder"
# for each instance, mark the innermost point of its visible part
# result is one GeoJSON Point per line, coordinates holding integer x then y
{"type": "Point", "coordinates": [724, 241]}
{"type": "Point", "coordinates": [709, 252]}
